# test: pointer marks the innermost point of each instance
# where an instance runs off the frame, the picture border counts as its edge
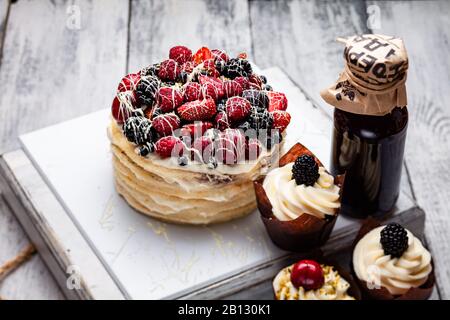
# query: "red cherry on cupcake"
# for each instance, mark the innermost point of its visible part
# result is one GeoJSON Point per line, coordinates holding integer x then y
{"type": "Point", "coordinates": [307, 274]}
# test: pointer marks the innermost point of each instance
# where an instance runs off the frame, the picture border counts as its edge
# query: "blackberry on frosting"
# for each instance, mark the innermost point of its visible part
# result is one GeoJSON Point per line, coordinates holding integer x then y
{"type": "Point", "coordinates": [305, 170]}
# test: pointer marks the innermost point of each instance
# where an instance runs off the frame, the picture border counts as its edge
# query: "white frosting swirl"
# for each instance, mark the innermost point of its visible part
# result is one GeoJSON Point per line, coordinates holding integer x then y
{"type": "Point", "coordinates": [289, 200]}
{"type": "Point", "coordinates": [397, 275]}
{"type": "Point", "coordinates": [334, 288]}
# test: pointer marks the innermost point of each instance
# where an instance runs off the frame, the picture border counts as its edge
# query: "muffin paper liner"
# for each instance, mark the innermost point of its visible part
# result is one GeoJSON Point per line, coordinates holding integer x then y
{"type": "Point", "coordinates": [307, 231]}
{"type": "Point", "coordinates": [317, 256]}
{"type": "Point", "coordinates": [420, 293]}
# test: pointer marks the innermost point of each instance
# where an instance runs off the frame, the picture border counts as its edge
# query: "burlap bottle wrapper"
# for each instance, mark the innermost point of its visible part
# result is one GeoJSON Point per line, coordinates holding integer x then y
{"type": "Point", "coordinates": [373, 80]}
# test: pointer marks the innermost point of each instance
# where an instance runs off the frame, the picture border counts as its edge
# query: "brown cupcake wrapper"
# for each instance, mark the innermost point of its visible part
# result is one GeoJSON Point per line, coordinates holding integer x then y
{"type": "Point", "coordinates": [307, 231]}
{"type": "Point", "coordinates": [420, 293]}
{"type": "Point", "coordinates": [317, 256]}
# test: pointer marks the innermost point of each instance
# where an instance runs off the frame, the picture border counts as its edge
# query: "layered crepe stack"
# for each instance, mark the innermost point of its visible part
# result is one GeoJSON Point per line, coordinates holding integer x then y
{"type": "Point", "coordinates": [194, 194]}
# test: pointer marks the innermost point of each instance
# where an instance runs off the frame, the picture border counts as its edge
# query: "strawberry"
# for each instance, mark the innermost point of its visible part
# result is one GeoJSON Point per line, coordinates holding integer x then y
{"type": "Point", "coordinates": [197, 128]}
{"type": "Point", "coordinates": [169, 99]}
{"type": "Point", "coordinates": [192, 91]}
{"type": "Point", "coordinates": [201, 55]}
{"type": "Point", "coordinates": [221, 121]}
{"type": "Point", "coordinates": [277, 101]}
{"type": "Point", "coordinates": [169, 70]}
{"type": "Point", "coordinates": [129, 82]}
{"type": "Point", "coordinates": [237, 109]}
{"type": "Point", "coordinates": [281, 119]}
{"type": "Point", "coordinates": [180, 54]}
{"type": "Point", "coordinates": [197, 110]}
{"type": "Point", "coordinates": [219, 55]}
{"type": "Point", "coordinates": [243, 81]}
{"type": "Point", "coordinates": [169, 146]}
{"type": "Point", "coordinates": [232, 88]}
{"type": "Point", "coordinates": [166, 123]}
{"type": "Point", "coordinates": [122, 106]}
{"type": "Point", "coordinates": [211, 87]}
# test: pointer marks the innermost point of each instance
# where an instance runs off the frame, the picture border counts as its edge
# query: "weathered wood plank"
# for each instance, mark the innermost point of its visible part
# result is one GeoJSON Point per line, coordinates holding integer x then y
{"type": "Point", "coordinates": [299, 36]}
{"type": "Point", "coordinates": [32, 280]}
{"type": "Point", "coordinates": [425, 28]}
{"type": "Point", "coordinates": [60, 60]}
{"type": "Point", "coordinates": [158, 25]}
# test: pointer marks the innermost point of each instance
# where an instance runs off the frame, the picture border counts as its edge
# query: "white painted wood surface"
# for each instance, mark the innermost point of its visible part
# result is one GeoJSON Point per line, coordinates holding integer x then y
{"type": "Point", "coordinates": [75, 73]}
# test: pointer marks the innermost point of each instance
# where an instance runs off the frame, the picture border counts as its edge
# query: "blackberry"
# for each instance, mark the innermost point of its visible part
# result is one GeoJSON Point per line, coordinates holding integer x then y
{"type": "Point", "coordinates": [244, 126]}
{"type": "Point", "coordinates": [394, 240]}
{"type": "Point", "coordinates": [260, 120]}
{"type": "Point", "coordinates": [182, 77]}
{"type": "Point", "coordinates": [138, 130]}
{"type": "Point", "coordinates": [221, 105]}
{"type": "Point", "coordinates": [182, 161]}
{"type": "Point", "coordinates": [305, 170]}
{"type": "Point", "coordinates": [151, 70]}
{"type": "Point", "coordinates": [146, 149]}
{"type": "Point", "coordinates": [267, 87]}
{"type": "Point", "coordinates": [146, 90]}
{"type": "Point", "coordinates": [256, 98]}
{"type": "Point", "coordinates": [220, 66]}
{"type": "Point", "coordinates": [237, 67]}
{"type": "Point", "coordinates": [263, 79]}
{"type": "Point", "coordinates": [167, 84]}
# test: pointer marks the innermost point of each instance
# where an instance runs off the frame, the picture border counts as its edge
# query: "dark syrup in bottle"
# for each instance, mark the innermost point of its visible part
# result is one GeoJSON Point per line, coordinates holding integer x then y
{"type": "Point", "coordinates": [370, 150]}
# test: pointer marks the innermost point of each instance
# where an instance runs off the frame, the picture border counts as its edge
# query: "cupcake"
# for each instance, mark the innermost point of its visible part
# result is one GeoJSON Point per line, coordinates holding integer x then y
{"type": "Point", "coordinates": [299, 201]}
{"type": "Point", "coordinates": [191, 133]}
{"type": "Point", "coordinates": [391, 263]}
{"type": "Point", "coordinates": [309, 280]}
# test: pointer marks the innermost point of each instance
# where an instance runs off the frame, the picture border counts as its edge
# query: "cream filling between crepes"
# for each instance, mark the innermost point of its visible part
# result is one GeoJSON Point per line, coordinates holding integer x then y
{"type": "Point", "coordinates": [289, 200]}
{"type": "Point", "coordinates": [397, 275]}
{"type": "Point", "coordinates": [334, 288]}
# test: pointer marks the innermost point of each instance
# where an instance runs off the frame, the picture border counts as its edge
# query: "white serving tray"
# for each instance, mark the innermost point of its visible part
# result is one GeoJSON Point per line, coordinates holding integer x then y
{"type": "Point", "coordinates": [134, 256]}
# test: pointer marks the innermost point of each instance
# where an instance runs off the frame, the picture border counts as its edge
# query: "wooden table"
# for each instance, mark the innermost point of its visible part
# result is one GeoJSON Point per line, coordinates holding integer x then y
{"type": "Point", "coordinates": [60, 60]}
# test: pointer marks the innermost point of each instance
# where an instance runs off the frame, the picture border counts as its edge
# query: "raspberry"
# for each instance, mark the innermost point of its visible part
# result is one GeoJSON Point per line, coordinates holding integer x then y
{"type": "Point", "coordinates": [129, 82]}
{"type": "Point", "coordinates": [257, 98]}
{"type": "Point", "coordinates": [219, 55]}
{"type": "Point", "coordinates": [169, 70]}
{"type": "Point", "coordinates": [169, 99]}
{"type": "Point", "coordinates": [192, 91]}
{"type": "Point", "coordinates": [253, 149]}
{"type": "Point", "coordinates": [232, 88]}
{"type": "Point", "coordinates": [243, 82]}
{"type": "Point", "coordinates": [166, 123]}
{"type": "Point", "coordinates": [277, 101]}
{"type": "Point", "coordinates": [281, 120]}
{"type": "Point", "coordinates": [138, 130]}
{"type": "Point", "coordinates": [201, 149]}
{"type": "Point", "coordinates": [210, 68]}
{"type": "Point", "coordinates": [255, 82]}
{"type": "Point", "coordinates": [237, 109]}
{"type": "Point", "coordinates": [180, 54]}
{"type": "Point", "coordinates": [394, 240]}
{"type": "Point", "coordinates": [188, 67]}
{"type": "Point", "coordinates": [212, 86]}
{"type": "Point", "coordinates": [146, 90]}
{"type": "Point", "coordinates": [201, 55]}
{"type": "Point", "coordinates": [221, 121]}
{"type": "Point", "coordinates": [169, 146]}
{"type": "Point", "coordinates": [123, 105]}
{"type": "Point", "coordinates": [197, 128]}
{"type": "Point", "coordinates": [197, 110]}
{"type": "Point", "coordinates": [305, 170]}
{"type": "Point", "coordinates": [236, 67]}
{"type": "Point", "coordinates": [230, 147]}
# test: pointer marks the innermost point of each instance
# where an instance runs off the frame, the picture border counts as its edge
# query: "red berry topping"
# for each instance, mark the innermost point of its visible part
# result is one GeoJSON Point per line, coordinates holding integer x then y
{"type": "Point", "coordinates": [166, 123]}
{"type": "Point", "coordinates": [230, 146]}
{"type": "Point", "coordinates": [242, 55]}
{"type": "Point", "coordinates": [255, 82]}
{"type": "Point", "coordinates": [129, 82]}
{"type": "Point", "coordinates": [307, 274]}
{"type": "Point", "coordinates": [221, 121]}
{"type": "Point", "coordinates": [122, 106]}
{"type": "Point", "coordinates": [219, 55]}
{"type": "Point", "coordinates": [237, 109]}
{"type": "Point", "coordinates": [277, 101]}
{"type": "Point", "coordinates": [201, 55]}
{"type": "Point", "coordinates": [253, 149]}
{"type": "Point", "coordinates": [180, 54]}
{"type": "Point", "coordinates": [202, 148]}
{"type": "Point", "coordinates": [188, 67]}
{"type": "Point", "coordinates": [211, 87]}
{"type": "Point", "coordinates": [197, 110]}
{"type": "Point", "coordinates": [169, 99]}
{"type": "Point", "coordinates": [281, 119]}
{"type": "Point", "coordinates": [210, 67]}
{"type": "Point", "coordinates": [198, 128]}
{"type": "Point", "coordinates": [243, 81]}
{"type": "Point", "coordinates": [192, 91]}
{"type": "Point", "coordinates": [232, 88]}
{"type": "Point", "coordinates": [169, 70]}
{"type": "Point", "coordinates": [169, 146]}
